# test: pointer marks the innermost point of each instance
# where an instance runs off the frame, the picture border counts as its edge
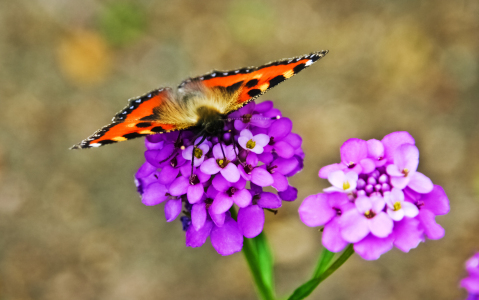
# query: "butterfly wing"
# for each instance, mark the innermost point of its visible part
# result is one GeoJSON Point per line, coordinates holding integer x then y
{"type": "Point", "coordinates": [137, 119]}
{"type": "Point", "coordinates": [252, 82]}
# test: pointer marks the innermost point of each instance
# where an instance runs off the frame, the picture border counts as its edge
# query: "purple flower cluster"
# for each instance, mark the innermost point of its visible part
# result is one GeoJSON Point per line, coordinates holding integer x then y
{"type": "Point", "coordinates": [257, 150]}
{"type": "Point", "coordinates": [377, 199]}
{"type": "Point", "coordinates": [471, 283]}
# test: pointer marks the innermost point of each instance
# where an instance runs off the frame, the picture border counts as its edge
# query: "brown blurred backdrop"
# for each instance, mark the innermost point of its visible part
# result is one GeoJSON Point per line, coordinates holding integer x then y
{"type": "Point", "coordinates": [72, 225]}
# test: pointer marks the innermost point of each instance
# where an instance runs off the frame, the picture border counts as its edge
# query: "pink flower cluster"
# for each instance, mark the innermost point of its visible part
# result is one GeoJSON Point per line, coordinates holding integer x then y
{"type": "Point", "coordinates": [377, 200]}
{"type": "Point", "coordinates": [204, 177]}
{"type": "Point", "coordinates": [471, 283]}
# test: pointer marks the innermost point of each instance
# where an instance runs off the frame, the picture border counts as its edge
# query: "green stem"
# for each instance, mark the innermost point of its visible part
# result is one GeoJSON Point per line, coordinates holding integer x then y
{"type": "Point", "coordinates": [324, 260]}
{"type": "Point", "coordinates": [251, 256]}
{"type": "Point", "coordinates": [307, 288]}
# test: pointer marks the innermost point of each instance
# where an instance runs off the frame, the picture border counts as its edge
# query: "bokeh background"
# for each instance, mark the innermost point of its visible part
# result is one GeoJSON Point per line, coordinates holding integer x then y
{"type": "Point", "coordinates": [72, 225]}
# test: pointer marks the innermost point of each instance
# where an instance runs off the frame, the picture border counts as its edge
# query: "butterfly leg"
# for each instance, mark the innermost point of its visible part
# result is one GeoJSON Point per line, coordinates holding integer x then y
{"type": "Point", "coordinates": [193, 154]}
{"type": "Point", "coordinates": [177, 145]}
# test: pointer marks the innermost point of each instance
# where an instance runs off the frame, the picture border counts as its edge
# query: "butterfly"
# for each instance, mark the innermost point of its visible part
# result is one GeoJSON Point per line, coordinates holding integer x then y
{"type": "Point", "coordinates": [199, 103]}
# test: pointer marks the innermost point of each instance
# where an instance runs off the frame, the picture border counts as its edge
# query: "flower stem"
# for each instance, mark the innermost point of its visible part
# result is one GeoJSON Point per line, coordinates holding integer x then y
{"type": "Point", "coordinates": [307, 288]}
{"type": "Point", "coordinates": [257, 255]}
{"type": "Point", "coordinates": [324, 260]}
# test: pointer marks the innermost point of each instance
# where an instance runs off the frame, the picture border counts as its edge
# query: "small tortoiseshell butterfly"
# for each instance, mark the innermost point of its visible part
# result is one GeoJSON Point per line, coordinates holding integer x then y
{"type": "Point", "coordinates": [201, 102]}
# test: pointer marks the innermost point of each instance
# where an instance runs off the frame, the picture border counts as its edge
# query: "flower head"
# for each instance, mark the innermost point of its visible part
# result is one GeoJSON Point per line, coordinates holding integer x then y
{"type": "Point", "coordinates": [471, 283]}
{"type": "Point", "coordinates": [389, 202]}
{"type": "Point", "coordinates": [201, 178]}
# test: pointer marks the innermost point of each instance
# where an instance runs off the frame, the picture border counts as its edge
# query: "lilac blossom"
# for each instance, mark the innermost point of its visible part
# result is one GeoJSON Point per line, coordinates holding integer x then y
{"type": "Point", "coordinates": [257, 150]}
{"type": "Point", "coordinates": [471, 282]}
{"type": "Point", "coordinates": [390, 203]}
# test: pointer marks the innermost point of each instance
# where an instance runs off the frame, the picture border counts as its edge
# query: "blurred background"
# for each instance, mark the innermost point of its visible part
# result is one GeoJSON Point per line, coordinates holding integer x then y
{"type": "Point", "coordinates": [72, 225]}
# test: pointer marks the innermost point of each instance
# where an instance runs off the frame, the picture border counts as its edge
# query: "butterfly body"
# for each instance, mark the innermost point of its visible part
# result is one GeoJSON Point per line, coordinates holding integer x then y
{"type": "Point", "coordinates": [201, 102]}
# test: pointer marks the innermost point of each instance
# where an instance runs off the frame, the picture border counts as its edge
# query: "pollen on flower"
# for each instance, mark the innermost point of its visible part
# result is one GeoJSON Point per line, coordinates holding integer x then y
{"type": "Point", "coordinates": [397, 206]}
{"type": "Point", "coordinates": [405, 172]}
{"type": "Point", "coordinates": [346, 185]}
{"type": "Point", "coordinates": [369, 214]}
{"type": "Point", "coordinates": [250, 144]}
{"type": "Point", "coordinates": [198, 153]}
{"type": "Point", "coordinates": [222, 162]}
{"type": "Point", "coordinates": [351, 165]}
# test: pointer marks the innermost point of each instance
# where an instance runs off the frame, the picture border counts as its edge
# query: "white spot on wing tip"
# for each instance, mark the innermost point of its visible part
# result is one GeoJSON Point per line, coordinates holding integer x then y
{"type": "Point", "coordinates": [95, 145]}
{"type": "Point", "coordinates": [308, 63]}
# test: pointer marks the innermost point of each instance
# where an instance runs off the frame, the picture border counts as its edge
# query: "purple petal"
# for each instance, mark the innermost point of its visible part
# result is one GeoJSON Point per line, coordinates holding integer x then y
{"type": "Point", "coordinates": [168, 174]}
{"type": "Point", "coordinates": [280, 128]}
{"type": "Point", "coordinates": [372, 247]}
{"type": "Point", "coordinates": [230, 172]}
{"type": "Point", "coordinates": [265, 157]}
{"type": "Point", "coordinates": [243, 174]}
{"type": "Point", "coordinates": [284, 165]}
{"type": "Point", "coordinates": [269, 200]}
{"type": "Point", "coordinates": [217, 152]}
{"type": "Point", "coordinates": [261, 177]}
{"type": "Point", "coordinates": [210, 166]}
{"type": "Point", "coordinates": [218, 219]}
{"type": "Point", "coordinates": [242, 141]}
{"type": "Point", "coordinates": [195, 193]}
{"type": "Point", "coordinates": [471, 284]}
{"type": "Point", "coordinates": [407, 234]}
{"type": "Point", "coordinates": [246, 133]}
{"type": "Point", "coordinates": [264, 106]}
{"type": "Point", "coordinates": [240, 184]}
{"type": "Point", "coordinates": [198, 215]}
{"type": "Point", "coordinates": [251, 220]}
{"type": "Point", "coordinates": [431, 229]}
{"type": "Point", "coordinates": [261, 139]}
{"type": "Point", "coordinates": [394, 171]}
{"type": "Point", "coordinates": [154, 157]}
{"type": "Point", "coordinates": [363, 204]}
{"type": "Point", "coordinates": [145, 170]}
{"type": "Point", "coordinates": [172, 209]}
{"type": "Point", "coordinates": [284, 149]}
{"type": "Point", "coordinates": [316, 211]}
{"type": "Point", "coordinates": [400, 182]}
{"type": "Point", "coordinates": [394, 140]}
{"type": "Point", "coordinates": [220, 183]}
{"type": "Point", "coordinates": [221, 204]}
{"type": "Point", "coordinates": [280, 182]}
{"type": "Point", "coordinates": [154, 194]}
{"type": "Point", "coordinates": [155, 138]}
{"type": "Point", "coordinates": [294, 140]}
{"type": "Point", "coordinates": [227, 239]}
{"type": "Point", "coordinates": [436, 201]}
{"type": "Point", "coordinates": [354, 226]}
{"type": "Point", "coordinates": [420, 183]}
{"type": "Point", "coordinates": [353, 151]}
{"type": "Point", "coordinates": [290, 194]}
{"type": "Point", "coordinates": [340, 200]}
{"type": "Point", "coordinates": [381, 225]}
{"type": "Point", "coordinates": [240, 125]}
{"type": "Point", "coordinates": [188, 152]}
{"type": "Point", "coordinates": [179, 186]}
{"type": "Point", "coordinates": [332, 239]}
{"type": "Point", "coordinates": [242, 198]}
{"type": "Point", "coordinates": [252, 159]}
{"type": "Point", "coordinates": [324, 171]}
{"type": "Point", "coordinates": [196, 238]}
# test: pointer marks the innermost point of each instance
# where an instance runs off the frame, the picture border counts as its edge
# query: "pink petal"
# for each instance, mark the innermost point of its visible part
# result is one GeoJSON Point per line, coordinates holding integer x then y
{"type": "Point", "coordinates": [332, 239]}
{"type": "Point", "coordinates": [284, 149]}
{"type": "Point", "coordinates": [218, 219]}
{"type": "Point", "coordinates": [220, 183]}
{"type": "Point", "coordinates": [246, 133]}
{"type": "Point", "coordinates": [410, 210]}
{"type": "Point", "coordinates": [420, 183]}
{"type": "Point", "coordinates": [407, 157]}
{"type": "Point", "coordinates": [354, 226]}
{"type": "Point", "coordinates": [154, 194]}
{"type": "Point", "coordinates": [337, 178]}
{"type": "Point", "coordinates": [179, 186]}
{"type": "Point", "coordinates": [269, 200]}
{"type": "Point", "coordinates": [294, 140]}
{"type": "Point", "coordinates": [394, 140]}
{"type": "Point", "coordinates": [363, 204]}
{"type": "Point", "coordinates": [230, 172]}
{"type": "Point", "coordinates": [394, 171]}
{"type": "Point", "coordinates": [353, 151]}
{"type": "Point", "coordinates": [407, 234]}
{"type": "Point", "coordinates": [261, 139]}
{"type": "Point", "coordinates": [195, 193]}
{"type": "Point", "coordinates": [381, 225]}
{"type": "Point", "coordinates": [316, 211]}
{"type": "Point", "coordinates": [242, 141]}
{"type": "Point", "coordinates": [280, 182]}
{"type": "Point", "coordinates": [436, 201]}
{"type": "Point", "coordinates": [261, 177]}
{"type": "Point", "coordinates": [368, 165]}
{"type": "Point", "coordinates": [432, 230]}
{"type": "Point", "coordinates": [324, 171]}
{"type": "Point", "coordinates": [396, 215]}
{"type": "Point", "coordinates": [210, 166]}
{"type": "Point", "coordinates": [375, 149]}
{"type": "Point", "coordinates": [372, 247]}
{"type": "Point", "coordinates": [400, 182]}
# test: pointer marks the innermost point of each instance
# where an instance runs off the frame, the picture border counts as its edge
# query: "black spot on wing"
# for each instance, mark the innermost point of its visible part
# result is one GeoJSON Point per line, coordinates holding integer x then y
{"type": "Point", "coordinates": [132, 135]}
{"type": "Point", "coordinates": [254, 92]}
{"type": "Point", "coordinates": [276, 80]}
{"type": "Point", "coordinates": [143, 125]}
{"type": "Point", "coordinates": [252, 83]}
{"type": "Point", "coordinates": [134, 103]}
{"type": "Point", "coordinates": [157, 129]}
{"type": "Point", "coordinates": [234, 87]}
{"type": "Point", "coordinates": [151, 117]}
{"type": "Point", "coordinates": [298, 68]}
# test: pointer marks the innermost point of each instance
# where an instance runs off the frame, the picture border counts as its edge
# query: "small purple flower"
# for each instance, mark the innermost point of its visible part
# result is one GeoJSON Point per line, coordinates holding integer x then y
{"type": "Point", "coordinates": [397, 208]}
{"type": "Point", "coordinates": [197, 152]}
{"type": "Point", "coordinates": [229, 193]}
{"type": "Point", "coordinates": [471, 283]}
{"type": "Point", "coordinates": [341, 182]}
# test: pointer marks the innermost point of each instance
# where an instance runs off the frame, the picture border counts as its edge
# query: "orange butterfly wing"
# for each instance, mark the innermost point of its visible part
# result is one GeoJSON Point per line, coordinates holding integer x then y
{"type": "Point", "coordinates": [255, 81]}
{"type": "Point", "coordinates": [135, 120]}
